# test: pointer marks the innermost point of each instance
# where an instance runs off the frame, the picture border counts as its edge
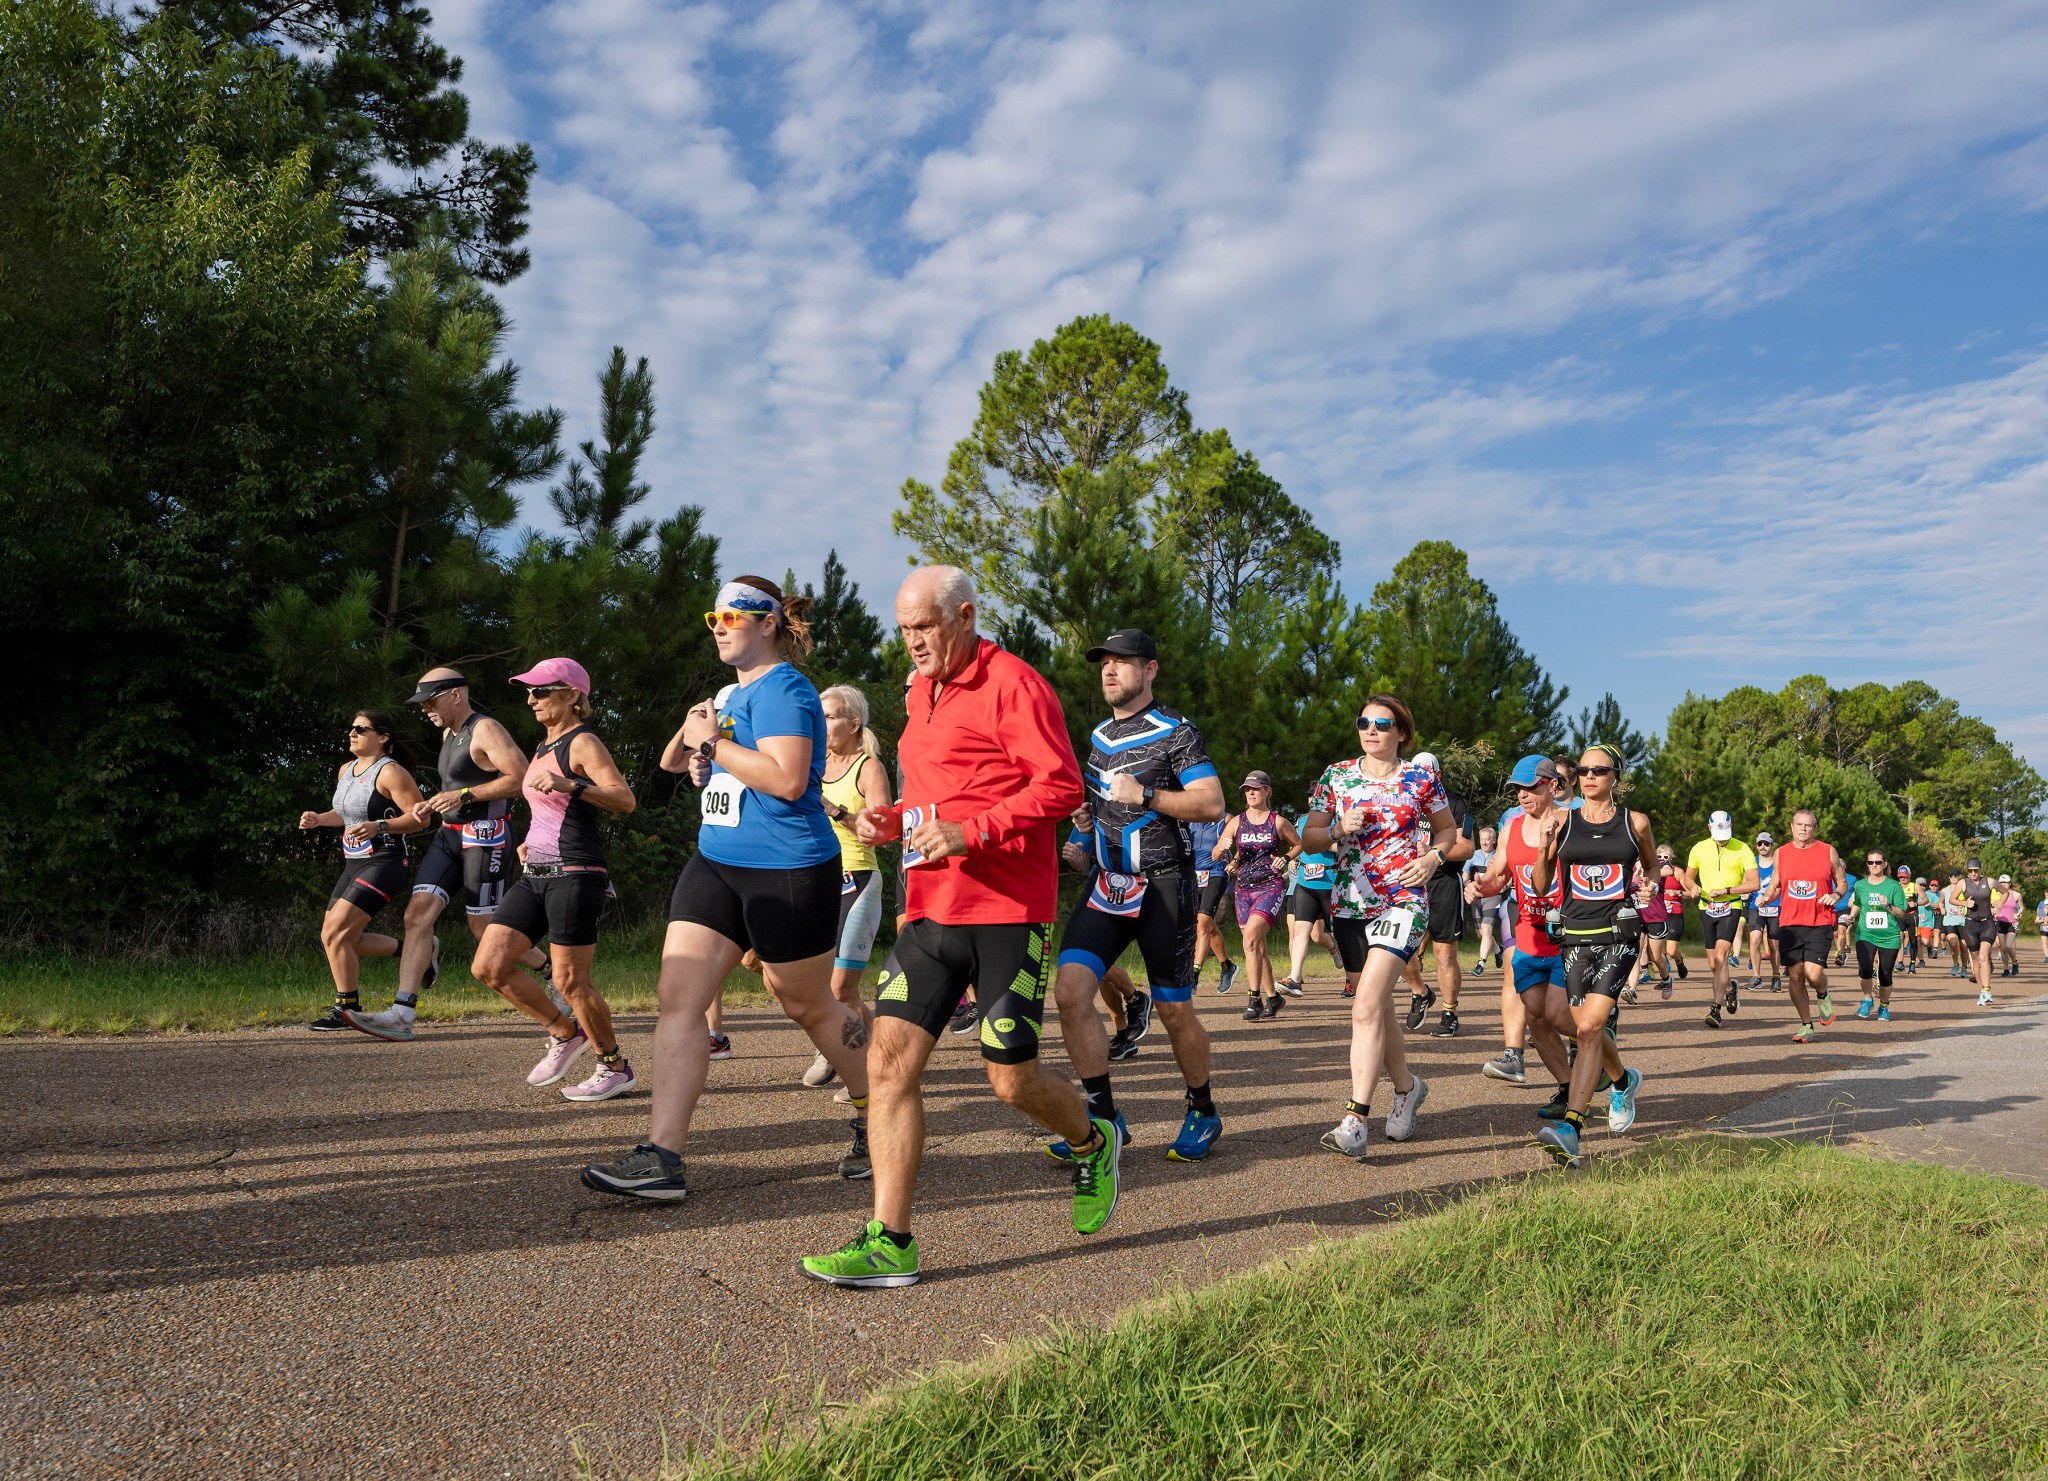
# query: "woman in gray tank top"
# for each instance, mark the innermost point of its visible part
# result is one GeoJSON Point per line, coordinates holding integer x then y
{"type": "Point", "coordinates": [373, 797]}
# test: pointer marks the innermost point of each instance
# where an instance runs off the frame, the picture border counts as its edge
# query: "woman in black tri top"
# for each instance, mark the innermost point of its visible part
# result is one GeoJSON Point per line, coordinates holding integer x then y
{"type": "Point", "coordinates": [1593, 851]}
{"type": "Point", "coordinates": [570, 783]}
{"type": "Point", "coordinates": [374, 792]}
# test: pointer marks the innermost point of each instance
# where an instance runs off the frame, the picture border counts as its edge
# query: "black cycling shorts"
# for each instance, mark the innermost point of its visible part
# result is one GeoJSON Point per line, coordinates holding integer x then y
{"type": "Point", "coordinates": [1597, 969]}
{"type": "Point", "coordinates": [1009, 967]}
{"type": "Point", "coordinates": [1446, 907]}
{"type": "Point", "coordinates": [1214, 893]}
{"type": "Point", "coordinates": [1978, 933]}
{"type": "Point", "coordinates": [1798, 944]}
{"type": "Point", "coordinates": [561, 907]}
{"type": "Point", "coordinates": [1387, 931]}
{"type": "Point", "coordinates": [782, 915]}
{"type": "Point", "coordinates": [481, 875]}
{"type": "Point", "coordinates": [1163, 927]}
{"type": "Point", "coordinates": [1309, 905]}
{"type": "Point", "coordinates": [1718, 928]}
{"type": "Point", "coordinates": [370, 884]}
{"type": "Point", "coordinates": [1877, 961]}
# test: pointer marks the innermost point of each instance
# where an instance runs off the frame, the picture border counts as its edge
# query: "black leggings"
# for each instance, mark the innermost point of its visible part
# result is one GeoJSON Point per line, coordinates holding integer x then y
{"type": "Point", "coordinates": [1885, 958]}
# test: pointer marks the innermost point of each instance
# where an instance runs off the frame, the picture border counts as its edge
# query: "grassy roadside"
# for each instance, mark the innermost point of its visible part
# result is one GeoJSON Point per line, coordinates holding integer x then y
{"type": "Point", "coordinates": [48, 992]}
{"type": "Point", "coordinates": [1709, 1307]}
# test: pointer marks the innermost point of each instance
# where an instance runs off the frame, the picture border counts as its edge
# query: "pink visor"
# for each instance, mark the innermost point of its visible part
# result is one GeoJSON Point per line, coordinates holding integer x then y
{"type": "Point", "coordinates": [556, 671]}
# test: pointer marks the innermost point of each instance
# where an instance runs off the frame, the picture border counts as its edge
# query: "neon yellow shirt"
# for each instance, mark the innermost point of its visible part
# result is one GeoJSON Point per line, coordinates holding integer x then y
{"type": "Point", "coordinates": [1718, 868]}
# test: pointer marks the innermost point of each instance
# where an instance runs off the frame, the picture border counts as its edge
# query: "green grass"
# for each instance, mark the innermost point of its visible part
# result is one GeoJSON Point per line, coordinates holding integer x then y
{"type": "Point", "coordinates": [58, 994]}
{"type": "Point", "coordinates": [1708, 1307]}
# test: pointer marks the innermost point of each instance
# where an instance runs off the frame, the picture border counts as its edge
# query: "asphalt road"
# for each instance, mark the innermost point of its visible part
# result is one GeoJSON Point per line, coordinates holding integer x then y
{"type": "Point", "coordinates": [281, 1253]}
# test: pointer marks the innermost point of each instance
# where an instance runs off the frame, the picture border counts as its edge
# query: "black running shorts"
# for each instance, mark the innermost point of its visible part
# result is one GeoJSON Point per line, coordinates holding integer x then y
{"type": "Point", "coordinates": [1163, 928]}
{"type": "Point", "coordinates": [1214, 893]}
{"type": "Point", "coordinates": [1446, 908]}
{"type": "Point", "coordinates": [783, 915]}
{"type": "Point", "coordinates": [1009, 967]}
{"type": "Point", "coordinates": [479, 875]}
{"type": "Point", "coordinates": [561, 907]}
{"type": "Point", "coordinates": [1390, 930]}
{"type": "Point", "coordinates": [370, 884]}
{"type": "Point", "coordinates": [1599, 969]}
{"type": "Point", "coordinates": [1978, 933]}
{"type": "Point", "coordinates": [1876, 961]}
{"type": "Point", "coordinates": [1309, 905]}
{"type": "Point", "coordinates": [1798, 944]}
{"type": "Point", "coordinates": [1718, 928]}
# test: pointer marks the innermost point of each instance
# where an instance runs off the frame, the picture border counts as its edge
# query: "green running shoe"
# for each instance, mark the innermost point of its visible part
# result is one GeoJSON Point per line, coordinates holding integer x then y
{"type": "Point", "coordinates": [870, 1258]}
{"type": "Point", "coordinates": [1095, 1180]}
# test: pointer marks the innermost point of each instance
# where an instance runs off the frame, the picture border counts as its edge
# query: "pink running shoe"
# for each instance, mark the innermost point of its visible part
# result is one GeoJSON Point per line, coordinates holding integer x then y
{"type": "Point", "coordinates": [603, 1085]}
{"type": "Point", "coordinates": [561, 1054]}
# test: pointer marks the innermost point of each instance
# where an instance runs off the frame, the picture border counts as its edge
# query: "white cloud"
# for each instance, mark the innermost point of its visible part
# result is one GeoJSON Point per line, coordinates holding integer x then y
{"type": "Point", "coordinates": [821, 221]}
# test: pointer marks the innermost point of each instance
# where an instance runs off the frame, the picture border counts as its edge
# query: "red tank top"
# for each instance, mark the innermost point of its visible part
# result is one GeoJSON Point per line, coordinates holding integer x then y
{"type": "Point", "coordinates": [1529, 906]}
{"type": "Point", "coordinates": [1673, 889]}
{"type": "Point", "coordinates": [1805, 874]}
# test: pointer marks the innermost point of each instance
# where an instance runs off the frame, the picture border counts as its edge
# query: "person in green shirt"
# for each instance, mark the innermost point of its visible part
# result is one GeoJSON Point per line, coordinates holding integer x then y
{"type": "Point", "coordinates": [1879, 923]}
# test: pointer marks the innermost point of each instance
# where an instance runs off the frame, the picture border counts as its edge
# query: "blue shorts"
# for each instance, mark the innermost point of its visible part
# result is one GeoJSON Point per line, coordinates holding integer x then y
{"type": "Point", "coordinates": [1538, 971]}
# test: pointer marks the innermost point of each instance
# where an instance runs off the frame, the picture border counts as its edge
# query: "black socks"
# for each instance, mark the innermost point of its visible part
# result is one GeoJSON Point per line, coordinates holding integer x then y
{"type": "Point", "coordinates": [1100, 1101]}
{"type": "Point", "coordinates": [1200, 1100]}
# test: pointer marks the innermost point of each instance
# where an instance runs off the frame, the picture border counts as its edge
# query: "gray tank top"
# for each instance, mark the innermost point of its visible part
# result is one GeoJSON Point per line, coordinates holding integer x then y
{"type": "Point", "coordinates": [357, 799]}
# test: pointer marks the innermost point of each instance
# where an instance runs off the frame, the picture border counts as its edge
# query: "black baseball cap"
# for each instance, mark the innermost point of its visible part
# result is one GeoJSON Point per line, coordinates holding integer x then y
{"type": "Point", "coordinates": [1125, 642]}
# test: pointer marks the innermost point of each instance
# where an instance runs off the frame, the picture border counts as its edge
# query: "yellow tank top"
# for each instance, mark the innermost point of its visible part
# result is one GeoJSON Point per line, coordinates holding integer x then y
{"type": "Point", "coordinates": [854, 855]}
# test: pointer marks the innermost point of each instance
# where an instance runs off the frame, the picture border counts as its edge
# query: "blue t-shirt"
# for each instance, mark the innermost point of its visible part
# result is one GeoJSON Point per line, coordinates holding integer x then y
{"type": "Point", "coordinates": [750, 829]}
{"type": "Point", "coordinates": [1315, 871]}
{"type": "Point", "coordinates": [1202, 838]}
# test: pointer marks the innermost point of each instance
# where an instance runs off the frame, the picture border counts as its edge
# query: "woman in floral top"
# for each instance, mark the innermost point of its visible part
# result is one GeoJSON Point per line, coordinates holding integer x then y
{"type": "Point", "coordinates": [1373, 811]}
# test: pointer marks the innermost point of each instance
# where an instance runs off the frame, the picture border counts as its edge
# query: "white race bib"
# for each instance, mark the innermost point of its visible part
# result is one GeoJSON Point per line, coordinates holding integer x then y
{"type": "Point", "coordinates": [1117, 894]}
{"type": "Point", "coordinates": [1877, 920]}
{"type": "Point", "coordinates": [913, 819]}
{"type": "Point", "coordinates": [846, 884]}
{"type": "Point", "coordinates": [1393, 929]}
{"type": "Point", "coordinates": [1715, 908]}
{"type": "Point", "coordinates": [720, 803]}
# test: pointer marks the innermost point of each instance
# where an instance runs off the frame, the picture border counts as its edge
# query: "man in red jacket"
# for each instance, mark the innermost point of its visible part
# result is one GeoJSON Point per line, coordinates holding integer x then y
{"type": "Point", "coordinates": [988, 778]}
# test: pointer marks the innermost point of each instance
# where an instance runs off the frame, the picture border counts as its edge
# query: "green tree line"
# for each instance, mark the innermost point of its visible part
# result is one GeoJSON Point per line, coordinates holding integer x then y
{"type": "Point", "coordinates": [263, 458]}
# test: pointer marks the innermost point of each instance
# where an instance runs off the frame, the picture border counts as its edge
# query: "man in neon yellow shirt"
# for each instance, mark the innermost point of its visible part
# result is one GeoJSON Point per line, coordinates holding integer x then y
{"type": "Point", "coordinates": [1719, 872]}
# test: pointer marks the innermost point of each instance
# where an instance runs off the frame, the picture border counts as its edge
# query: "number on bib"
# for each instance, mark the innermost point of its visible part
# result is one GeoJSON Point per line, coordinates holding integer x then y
{"type": "Point", "coordinates": [1715, 908]}
{"type": "Point", "coordinates": [1117, 894]}
{"type": "Point", "coordinates": [913, 819]}
{"type": "Point", "coordinates": [1877, 920]}
{"type": "Point", "coordinates": [846, 884]}
{"type": "Point", "coordinates": [720, 804]}
{"type": "Point", "coordinates": [1393, 929]}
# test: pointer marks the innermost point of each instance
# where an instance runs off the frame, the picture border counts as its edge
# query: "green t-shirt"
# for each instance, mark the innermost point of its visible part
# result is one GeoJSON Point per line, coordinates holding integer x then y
{"type": "Point", "coordinates": [1875, 924]}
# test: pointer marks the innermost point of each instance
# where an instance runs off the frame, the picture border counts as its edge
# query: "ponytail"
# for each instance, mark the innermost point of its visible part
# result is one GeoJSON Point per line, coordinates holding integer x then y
{"type": "Point", "coordinates": [792, 624]}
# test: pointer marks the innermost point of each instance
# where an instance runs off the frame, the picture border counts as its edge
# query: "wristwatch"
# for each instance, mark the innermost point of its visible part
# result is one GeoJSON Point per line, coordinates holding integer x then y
{"type": "Point", "coordinates": [383, 827]}
{"type": "Point", "coordinates": [463, 796]}
{"type": "Point", "coordinates": [709, 747]}
{"type": "Point", "coordinates": [577, 785]}
{"type": "Point", "coordinates": [1149, 794]}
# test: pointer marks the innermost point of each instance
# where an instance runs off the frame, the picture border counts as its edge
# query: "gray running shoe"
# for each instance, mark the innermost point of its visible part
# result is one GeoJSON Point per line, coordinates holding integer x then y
{"type": "Point", "coordinates": [855, 1165]}
{"type": "Point", "coordinates": [1138, 1014]}
{"type": "Point", "coordinates": [820, 1073]}
{"type": "Point", "coordinates": [1508, 1067]}
{"type": "Point", "coordinates": [390, 1024]}
{"type": "Point", "coordinates": [1401, 1120]}
{"type": "Point", "coordinates": [641, 1173]}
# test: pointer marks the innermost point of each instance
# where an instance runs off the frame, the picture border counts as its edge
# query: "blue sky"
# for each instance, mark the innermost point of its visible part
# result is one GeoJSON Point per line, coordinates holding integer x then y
{"type": "Point", "coordinates": [1718, 334]}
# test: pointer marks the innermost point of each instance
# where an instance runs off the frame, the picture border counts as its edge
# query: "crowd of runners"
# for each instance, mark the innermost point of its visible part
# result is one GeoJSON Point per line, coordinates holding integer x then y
{"type": "Point", "coordinates": [1572, 900]}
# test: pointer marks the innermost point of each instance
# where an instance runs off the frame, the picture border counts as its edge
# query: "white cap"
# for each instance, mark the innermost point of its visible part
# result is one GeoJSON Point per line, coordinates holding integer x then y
{"type": "Point", "coordinates": [1426, 758]}
{"type": "Point", "coordinates": [2005, 879]}
{"type": "Point", "coordinates": [1721, 826]}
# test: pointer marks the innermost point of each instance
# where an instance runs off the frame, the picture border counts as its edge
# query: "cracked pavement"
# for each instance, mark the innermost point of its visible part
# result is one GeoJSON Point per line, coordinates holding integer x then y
{"type": "Point", "coordinates": [283, 1253]}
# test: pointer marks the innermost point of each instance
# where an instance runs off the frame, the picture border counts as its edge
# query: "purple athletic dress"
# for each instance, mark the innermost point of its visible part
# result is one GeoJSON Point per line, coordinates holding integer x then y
{"type": "Point", "coordinates": [1259, 880]}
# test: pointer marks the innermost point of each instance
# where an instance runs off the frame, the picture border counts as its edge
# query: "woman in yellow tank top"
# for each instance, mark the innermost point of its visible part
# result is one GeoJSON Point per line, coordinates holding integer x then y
{"type": "Point", "coordinates": [855, 778]}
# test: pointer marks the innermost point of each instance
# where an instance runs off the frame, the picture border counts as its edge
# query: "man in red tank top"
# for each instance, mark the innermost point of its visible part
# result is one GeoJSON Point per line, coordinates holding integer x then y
{"type": "Point", "coordinates": [1808, 881]}
{"type": "Point", "coordinates": [1533, 998]}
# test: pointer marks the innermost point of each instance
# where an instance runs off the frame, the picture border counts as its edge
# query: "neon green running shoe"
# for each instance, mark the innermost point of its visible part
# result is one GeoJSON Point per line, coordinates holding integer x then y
{"type": "Point", "coordinates": [1095, 1180]}
{"type": "Point", "coordinates": [870, 1258]}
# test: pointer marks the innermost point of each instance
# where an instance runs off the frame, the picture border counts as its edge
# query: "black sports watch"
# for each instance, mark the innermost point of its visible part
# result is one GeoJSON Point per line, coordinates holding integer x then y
{"type": "Point", "coordinates": [709, 747]}
{"type": "Point", "coordinates": [1149, 794]}
{"type": "Point", "coordinates": [577, 786]}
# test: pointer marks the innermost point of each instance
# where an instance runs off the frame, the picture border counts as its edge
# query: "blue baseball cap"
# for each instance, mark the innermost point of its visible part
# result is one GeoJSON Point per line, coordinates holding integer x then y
{"type": "Point", "coordinates": [1532, 769]}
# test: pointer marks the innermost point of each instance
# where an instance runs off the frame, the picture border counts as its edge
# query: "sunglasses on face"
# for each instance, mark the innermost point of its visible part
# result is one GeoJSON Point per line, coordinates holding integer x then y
{"type": "Point", "coordinates": [546, 691]}
{"type": "Point", "coordinates": [1596, 771]}
{"type": "Point", "coordinates": [361, 729]}
{"type": "Point", "coordinates": [1381, 723]}
{"type": "Point", "coordinates": [726, 617]}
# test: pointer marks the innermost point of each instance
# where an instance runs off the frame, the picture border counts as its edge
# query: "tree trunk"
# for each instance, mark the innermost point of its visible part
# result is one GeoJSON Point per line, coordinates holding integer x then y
{"type": "Point", "coordinates": [397, 566]}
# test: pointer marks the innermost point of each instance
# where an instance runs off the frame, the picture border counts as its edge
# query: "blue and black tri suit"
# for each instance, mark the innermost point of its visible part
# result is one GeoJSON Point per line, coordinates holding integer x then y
{"type": "Point", "coordinates": [1143, 887]}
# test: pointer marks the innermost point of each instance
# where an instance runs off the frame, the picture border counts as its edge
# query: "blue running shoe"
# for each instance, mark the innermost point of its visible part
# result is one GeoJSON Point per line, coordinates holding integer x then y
{"type": "Point", "coordinates": [1059, 1151]}
{"type": "Point", "coordinates": [1561, 1141]}
{"type": "Point", "coordinates": [1621, 1102]}
{"type": "Point", "coordinates": [1863, 1008]}
{"type": "Point", "coordinates": [1227, 978]}
{"type": "Point", "coordinates": [1884, 1014]}
{"type": "Point", "coordinates": [1198, 1133]}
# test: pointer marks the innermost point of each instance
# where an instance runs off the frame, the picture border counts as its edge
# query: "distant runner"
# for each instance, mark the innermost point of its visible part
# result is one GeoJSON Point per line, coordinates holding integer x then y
{"type": "Point", "coordinates": [1882, 922]}
{"type": "Point", "coordinates": [1446, 922]}
{"type": "Point", "coordinates": [1212, 884]}
{"type": "Point", "coordinates": [1762, 916]}
{"type": "Point", "coordinates": [1809, 880]}
{"type": "Point", "coordinates": [1719, 872]}
{"type": "Point", "coordinates": [1253, 845]}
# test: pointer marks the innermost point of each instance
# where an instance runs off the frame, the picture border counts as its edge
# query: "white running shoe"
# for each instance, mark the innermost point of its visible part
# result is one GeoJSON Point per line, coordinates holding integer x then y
{"type": "Point", "coordinates": [1348, 1136]}
{"type": "Point", "coordinates": [1984, 998]}
{"type": "Point", "coordinates": [1401, 1120]}
{"type": "Point", "coordinates": [561, 1054]}
{"type": "Point", "coordinates": [603, 1085]}
{"type": "Point", "coordinates": [391, 1024]}
{"type": "Point", "coordinates": [820, 1072]}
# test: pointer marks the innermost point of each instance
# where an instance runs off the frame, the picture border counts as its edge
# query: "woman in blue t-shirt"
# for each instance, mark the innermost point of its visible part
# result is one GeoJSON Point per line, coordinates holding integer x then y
{"type": "Point", "coordinates": [765, 878]}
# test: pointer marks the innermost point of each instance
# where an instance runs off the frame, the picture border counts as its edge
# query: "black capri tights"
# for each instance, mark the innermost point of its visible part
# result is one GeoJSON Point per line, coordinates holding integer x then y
{"type": "Point", "coordinates": [1884, 958]}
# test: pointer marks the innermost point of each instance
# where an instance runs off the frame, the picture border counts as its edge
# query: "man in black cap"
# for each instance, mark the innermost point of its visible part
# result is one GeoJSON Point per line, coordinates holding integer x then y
{"type": "Point", "coordinates": [1147, 778]}
{"type": "Point", "coordinates": [471, 848]}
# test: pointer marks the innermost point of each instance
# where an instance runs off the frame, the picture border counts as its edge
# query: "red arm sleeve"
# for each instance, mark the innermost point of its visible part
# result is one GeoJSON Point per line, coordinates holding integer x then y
{"type": "Point", "coordinates": [1035, 730]}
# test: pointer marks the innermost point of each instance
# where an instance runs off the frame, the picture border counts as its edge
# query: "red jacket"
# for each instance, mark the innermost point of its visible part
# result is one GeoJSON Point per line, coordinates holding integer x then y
{"type": "Point", "coordinates": [989, 750]}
